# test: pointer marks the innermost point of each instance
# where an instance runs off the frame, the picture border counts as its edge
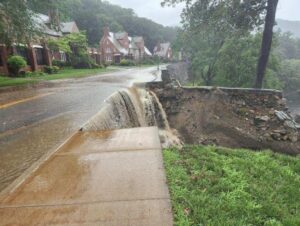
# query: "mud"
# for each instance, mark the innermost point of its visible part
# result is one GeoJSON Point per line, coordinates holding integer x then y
{"type": "Point", "coordinates": [228, 117]}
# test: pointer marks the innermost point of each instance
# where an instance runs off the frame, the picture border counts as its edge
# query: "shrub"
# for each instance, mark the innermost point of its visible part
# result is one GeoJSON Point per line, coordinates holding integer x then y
{"type": "Point", "coordinates": [96, 66]}
{"type": "Point", "coordinates": [15, 63]}
{"type": "Point", "coordinates": [149, 61]}
{"type": "Point", "coordinates": [60, 64]}
{"type": "Point", "coordinates": [125, 62]}
{"type": "Point", "coordinates": [81, 62]}
{"type": "Point", "coordinates": [30, 74]}
{"type": "Point", "coordinates": [51, 70]}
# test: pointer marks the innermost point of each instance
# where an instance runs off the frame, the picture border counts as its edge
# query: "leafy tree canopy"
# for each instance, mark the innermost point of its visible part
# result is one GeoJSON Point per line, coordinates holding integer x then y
{"type": "Point", "coordinates": [16, 23]}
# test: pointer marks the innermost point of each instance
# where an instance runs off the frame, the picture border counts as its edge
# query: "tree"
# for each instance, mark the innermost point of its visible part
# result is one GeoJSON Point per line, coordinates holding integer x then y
{"type": "Point", "coordinates": [16, 22]}
{"type": "Point", "coordinates": [92, 15]}
{"type": "Point", "coordinates": [234, 18]}
{"type": "Point", "coordinates": [19, 21]}
{"type": "Point", "coordinates": [75, 45]}
{"type": "Point", "coordinates": [266, 42]}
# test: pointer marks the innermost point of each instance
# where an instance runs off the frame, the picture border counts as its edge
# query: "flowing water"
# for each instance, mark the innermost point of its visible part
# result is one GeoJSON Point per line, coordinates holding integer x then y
{"type": "Point", "coordinates": [130, 108]}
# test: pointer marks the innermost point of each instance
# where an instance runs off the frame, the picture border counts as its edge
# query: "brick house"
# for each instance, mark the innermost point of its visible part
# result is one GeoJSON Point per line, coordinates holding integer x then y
{"type": "Point", "coordinates": [117, 46]}
{"type": "Point", "coordinates": [95, 55]}
{"type": "Point", "coordinates": [36, 53]}
{"type": "Point", "coordinates": [163, 51]}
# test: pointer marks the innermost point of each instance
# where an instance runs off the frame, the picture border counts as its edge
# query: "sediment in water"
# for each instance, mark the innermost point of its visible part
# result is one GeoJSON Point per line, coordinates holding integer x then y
{"type": "Point", "coordinates": [130, 108]}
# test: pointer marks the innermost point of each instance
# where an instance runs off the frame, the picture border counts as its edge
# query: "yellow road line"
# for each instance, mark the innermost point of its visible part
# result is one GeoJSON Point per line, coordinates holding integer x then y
{"type": "Point", "coordinates": [23, 100]}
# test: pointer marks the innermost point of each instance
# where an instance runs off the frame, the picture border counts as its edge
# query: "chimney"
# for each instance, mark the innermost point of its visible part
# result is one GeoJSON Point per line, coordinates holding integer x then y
{"type": "Point", "coordinates": [54, 20]}
{"type": "Point", "coordinates": [158, 47]}
{"type": "Point", "coordinates": [106, 31]}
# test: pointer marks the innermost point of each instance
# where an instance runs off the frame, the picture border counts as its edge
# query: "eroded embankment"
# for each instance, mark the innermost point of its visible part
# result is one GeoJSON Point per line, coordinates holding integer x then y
{"type": "Point", "coordinates": [236, 118]}
{"type": "Point", "coordinates": [131, 108]}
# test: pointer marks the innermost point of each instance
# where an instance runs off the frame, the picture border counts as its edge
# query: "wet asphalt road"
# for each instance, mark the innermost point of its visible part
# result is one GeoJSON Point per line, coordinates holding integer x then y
{"type": "Point", "coordinates": [36, 121]}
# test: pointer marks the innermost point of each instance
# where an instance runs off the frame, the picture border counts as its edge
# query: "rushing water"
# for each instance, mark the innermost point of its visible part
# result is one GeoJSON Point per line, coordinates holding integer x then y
{"type": "Point", "coordinates": [131, 108]}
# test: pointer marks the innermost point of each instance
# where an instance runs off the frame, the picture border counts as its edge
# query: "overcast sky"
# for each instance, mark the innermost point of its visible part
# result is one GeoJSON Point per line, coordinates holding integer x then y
{"type": "Point", "coordinates": [287, 9]}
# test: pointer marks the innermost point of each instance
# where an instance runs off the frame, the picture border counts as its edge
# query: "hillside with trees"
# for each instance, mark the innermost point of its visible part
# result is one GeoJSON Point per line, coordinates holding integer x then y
{"type": "Point", "coordinates": [289, 26]}
{"type": "Point", "coordinates": [226, 52]}
{"type": "Point", "coordinates": [92, 15]}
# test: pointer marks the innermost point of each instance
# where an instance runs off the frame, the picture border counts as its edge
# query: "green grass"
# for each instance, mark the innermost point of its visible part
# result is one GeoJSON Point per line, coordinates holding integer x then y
{"type": "Point", "coordinates": [136, 66]}
{"type": "Point", "coordinates": [6, 81]}
{"type": "Point", "coordinates": [63, 74]}
{"type": "Point", "coordinates": [76, 73]}
{"type": "Point", "coordinates": [217, 186]}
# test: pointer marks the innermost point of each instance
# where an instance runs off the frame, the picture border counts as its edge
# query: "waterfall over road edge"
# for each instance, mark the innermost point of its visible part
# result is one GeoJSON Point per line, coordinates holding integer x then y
{"type": "Point", "coordinates": [131, 108]}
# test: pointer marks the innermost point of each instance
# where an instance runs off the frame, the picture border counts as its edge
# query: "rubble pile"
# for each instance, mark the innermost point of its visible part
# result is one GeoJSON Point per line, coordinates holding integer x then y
{"type": "Point", "coordinates": [230, 117]}
{"type": "Point", "coordinates": [273, 124]}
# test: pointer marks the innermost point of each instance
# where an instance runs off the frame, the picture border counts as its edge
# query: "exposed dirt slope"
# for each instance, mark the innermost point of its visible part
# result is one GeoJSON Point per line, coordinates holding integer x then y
{"type": "Point", "coordinates": [229, 117]}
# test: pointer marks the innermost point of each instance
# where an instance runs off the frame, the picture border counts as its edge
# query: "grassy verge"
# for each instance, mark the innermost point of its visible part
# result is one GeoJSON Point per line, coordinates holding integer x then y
{"type": "Point", "coordinates": [216, 186]}
{"type": "Point", "coordinates": [6, 81]}
{"type": "Point", "coordinates": [136, 66]}
{"type": "Point", "coordinates": [63, 74]}
{"type": "Point", "coordinates": [76, 73]}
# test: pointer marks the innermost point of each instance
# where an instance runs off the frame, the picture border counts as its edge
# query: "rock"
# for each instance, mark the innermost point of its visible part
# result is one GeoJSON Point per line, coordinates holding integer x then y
{"type": "Point", "coordinates": [282, 116]}
{"type": "Point", "coordinates": [292, 125]}
{"type": "Point", "coordinates": [267, 137]}
{"type": "Point", "coordinates": [241, 102]}
{"type": "Point", "coordinates": [272, 112]}
{"type": "Point", "coordinates": [165, 77]}
{"type": "Point", "coordinates": [281, 132]}
{"type": "Point", "coordinates": [293, 138]}
{"type": "Point", "coordinates": [276, 136]}
{"type": "Point", "coordinates": [282, 102]}
{"type": "Point", "coordinates": [297, 118]}
{"type": "Point", "coordinates": [216, 117]}
{"type": "Point", "coordinates": [258, 120]}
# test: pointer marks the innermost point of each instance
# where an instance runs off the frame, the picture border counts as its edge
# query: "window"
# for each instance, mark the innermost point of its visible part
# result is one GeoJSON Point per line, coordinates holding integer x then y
{"type": "Point", "coordinates": [23, 52]}
{"type": "Point", "coordinates": [108, 58]}
{"type": "Point", "coordinates": [1, 62]}
{"type": "Point", "coordinates": [40, 56]}
{"type": "Point", "coordinates": [63, 56]}
{"type": "Point", "coordinates": [108, 50]}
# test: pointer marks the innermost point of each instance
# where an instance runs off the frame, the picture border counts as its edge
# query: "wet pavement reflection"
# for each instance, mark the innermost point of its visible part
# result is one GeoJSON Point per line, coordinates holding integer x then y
{"type": "Point", "coordinates": [34, 127]}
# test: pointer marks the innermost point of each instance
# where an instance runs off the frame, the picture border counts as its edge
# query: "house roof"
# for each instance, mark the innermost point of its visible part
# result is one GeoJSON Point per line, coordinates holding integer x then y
{"type": "Point", "coordinates": [68, 27]}
{"type": "Point", "coordinates": [132, 45]}
{"type": "Point", "coordinates": [115, 37]}
{"type": "Point", "coordinates": [137, 39]}
{"type": "Point", "coordinates": [120, 35]}
{"type": "Point", "coordinates": [164, 47]}
{"type": "Point", "coordinates": [147, 51]}
{"type": "Point", "coordinates": [42, 21]}
{"type": "Point", "coordinates": [117, 45]}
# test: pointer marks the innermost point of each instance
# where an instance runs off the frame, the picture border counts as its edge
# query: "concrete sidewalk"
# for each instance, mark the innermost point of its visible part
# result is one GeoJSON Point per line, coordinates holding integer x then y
{"type": "Point", "coordinates": [96, 178]}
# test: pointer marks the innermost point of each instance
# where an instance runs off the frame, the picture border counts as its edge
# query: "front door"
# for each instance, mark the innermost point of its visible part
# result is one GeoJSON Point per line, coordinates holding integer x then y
{"type": "Point", "coordinates": [117, 59]}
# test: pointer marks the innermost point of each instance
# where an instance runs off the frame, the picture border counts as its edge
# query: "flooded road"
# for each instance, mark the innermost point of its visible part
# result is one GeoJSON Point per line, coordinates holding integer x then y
{"type": "Point", "coordinates": [37, 120]}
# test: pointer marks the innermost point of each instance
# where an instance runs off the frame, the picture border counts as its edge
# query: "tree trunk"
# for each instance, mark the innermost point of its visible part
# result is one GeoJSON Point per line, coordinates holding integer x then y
{"type": "Point", "coordinates": [266, 43]}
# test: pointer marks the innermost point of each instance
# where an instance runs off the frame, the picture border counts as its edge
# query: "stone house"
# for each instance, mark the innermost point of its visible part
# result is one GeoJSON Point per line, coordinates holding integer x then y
{"type": "Point", "coordinates": [117, 46]}
{"type": "Point", "coordinates": [163, 51]}
{"type": "Point", "coordinates": [36, 53]}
